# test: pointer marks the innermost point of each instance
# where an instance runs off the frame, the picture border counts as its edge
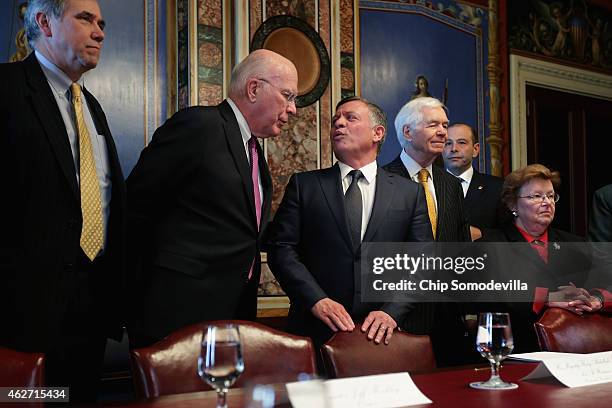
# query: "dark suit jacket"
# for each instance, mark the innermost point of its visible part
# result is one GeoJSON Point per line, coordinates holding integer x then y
{"type": "Point", "coordinates": [452, 225]}
{"type": "Point", "coordinates": [440, 320]}
{"type": "Point", "coordinates": [41, 213]}
{"type": "Point", "coordinates": [566, 263]}
{"type": "Point", "coordinates": [192, 210]}
{"type": "Point", "coordinates": [600, 226]}
{"type": "Point", "coordinates": [482, 204]}
{"type": "Point", "coordinates": [310, 250]}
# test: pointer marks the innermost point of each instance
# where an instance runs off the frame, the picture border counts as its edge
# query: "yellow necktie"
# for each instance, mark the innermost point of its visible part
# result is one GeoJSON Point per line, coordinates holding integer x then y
{"type": "Point", "coordinates": [92, 233]}
{"type": "Point", "coordinates": [431, 205]}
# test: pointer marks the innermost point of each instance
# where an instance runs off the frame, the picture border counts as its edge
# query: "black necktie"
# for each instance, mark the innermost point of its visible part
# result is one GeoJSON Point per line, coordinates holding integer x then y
{"type": "Point", "coordinates": [352, 201]}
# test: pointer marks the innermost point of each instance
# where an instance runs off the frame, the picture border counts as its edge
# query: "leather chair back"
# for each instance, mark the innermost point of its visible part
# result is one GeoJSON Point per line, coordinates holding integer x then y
{"type": "Point", "coordinates": [170, 365]}
{"type": "Point", "coordinates": [349, 354]}
{"type": "Point", "coordinates": [19, 369]}
{"type": "Point", "coordinates": [564, 331]}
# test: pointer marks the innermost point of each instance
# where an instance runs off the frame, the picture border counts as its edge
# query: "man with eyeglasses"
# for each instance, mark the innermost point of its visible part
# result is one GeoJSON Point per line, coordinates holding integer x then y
{"type": "Point", "coordinates": [199, 200]}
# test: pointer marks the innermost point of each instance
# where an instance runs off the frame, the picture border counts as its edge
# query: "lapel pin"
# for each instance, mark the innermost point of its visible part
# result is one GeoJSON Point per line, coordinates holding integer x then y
{"type": "Point", "coordinates": [556, 246]}
{"type": "Point", "coordinates": [480, 187]}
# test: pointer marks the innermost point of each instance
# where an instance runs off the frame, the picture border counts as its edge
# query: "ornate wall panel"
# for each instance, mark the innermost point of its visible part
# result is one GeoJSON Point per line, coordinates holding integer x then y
{"type": "Point", "coordinates": [563, 31]}
{"type": "Point", "coordinates": [446, 42]}
{"type": "Point", "coordinates": [347, 48]}
{"type": "Point", "coordinates": [209, 52]}
{"type": "Point", "coordinates": [303, 144]}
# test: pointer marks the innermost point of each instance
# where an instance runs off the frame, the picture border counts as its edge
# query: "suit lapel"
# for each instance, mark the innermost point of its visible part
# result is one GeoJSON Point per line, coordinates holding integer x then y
{"type": "Point", "coordinates": [397, 167]}
{"type": "Point", "coordinates": [475, 190]}
{"type": "Point", "coordinates": [103, 129]}
{"type": "Point", "coordinates": [440, 187]}
{"type": "Point", "coordinates": [382, 199]}
{"type": "Point", "coordinates": [46, 109]}
{"type": "Point", "coordinates": [332, 190]}
{"type": "Point", "coordinates": [237, 150]}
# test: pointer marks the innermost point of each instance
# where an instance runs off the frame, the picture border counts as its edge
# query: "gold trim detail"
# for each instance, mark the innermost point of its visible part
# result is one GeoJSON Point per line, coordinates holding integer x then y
{"type": "Point", "coordinates": [494, 140]}
{"type": "Point", "coordinates": [171, 58]}
{"type": "Point", "coordinates": [145, 79]}
{"type": "Point", "coordinates": [192, 23]}
{"type": "Point", "coordinates": [356, 48]}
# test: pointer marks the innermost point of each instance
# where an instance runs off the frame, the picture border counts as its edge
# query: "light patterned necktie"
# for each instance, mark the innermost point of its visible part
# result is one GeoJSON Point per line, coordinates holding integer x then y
{"type": "Point", "coordinates": [431, 205]}
{"type": "Point", "coordinates": [92, 233]}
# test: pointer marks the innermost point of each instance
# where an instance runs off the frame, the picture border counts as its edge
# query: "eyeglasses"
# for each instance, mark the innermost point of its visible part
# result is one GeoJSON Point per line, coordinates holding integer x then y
{"type": "Point", "coordinates": [289, 96]}
{"type": "Point", "coordinates": [539, 198]}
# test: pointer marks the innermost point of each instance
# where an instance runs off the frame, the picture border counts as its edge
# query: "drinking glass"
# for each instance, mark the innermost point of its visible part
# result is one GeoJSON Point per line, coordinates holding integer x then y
{"type": "Point", "coordinates": [494, 342]}
{"type": "Point", "coordinates": [220, 362]}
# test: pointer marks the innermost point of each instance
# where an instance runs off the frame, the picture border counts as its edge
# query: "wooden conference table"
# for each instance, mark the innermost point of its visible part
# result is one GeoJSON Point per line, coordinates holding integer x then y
{"type": "Point", "coordinates": [446, 388]}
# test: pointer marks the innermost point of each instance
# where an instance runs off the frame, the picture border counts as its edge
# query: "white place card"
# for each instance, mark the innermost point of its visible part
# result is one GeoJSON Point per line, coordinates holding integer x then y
{"type": "Point", "coordinates": [576, 370]}
{"type": "Point", "coordinates": [540, 356]}
{"type": "Point", "coordinates": [375, 391]}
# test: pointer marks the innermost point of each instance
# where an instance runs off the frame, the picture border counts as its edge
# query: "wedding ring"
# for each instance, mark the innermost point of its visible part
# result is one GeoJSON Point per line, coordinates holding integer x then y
{"type": "Point", "coordinates": [382, 327]}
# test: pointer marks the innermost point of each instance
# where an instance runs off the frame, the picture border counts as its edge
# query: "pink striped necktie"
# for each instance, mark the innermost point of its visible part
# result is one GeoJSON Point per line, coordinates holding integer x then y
{"type": "Point", "coordinates": [254, 156]}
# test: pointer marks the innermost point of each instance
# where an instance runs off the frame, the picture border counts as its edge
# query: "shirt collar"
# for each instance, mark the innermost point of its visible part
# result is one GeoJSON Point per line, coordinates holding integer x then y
{"type": "Point", "coordinates": [412, 166]}
{"type": "Point", "coordinates": [245, 131]}
{"type": "Point", "coordinates": [59, 81]}
{"type": "Point", "coordinates": [530, 238]}
{"type": "Point", "coordinates": [466, 176]}
{"type": "Point", "coordinates": [368, 171]}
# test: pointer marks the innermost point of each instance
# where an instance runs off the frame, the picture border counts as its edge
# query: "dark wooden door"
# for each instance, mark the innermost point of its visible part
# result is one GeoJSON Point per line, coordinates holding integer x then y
{"type": "Point", "coordinates": [570, 133]}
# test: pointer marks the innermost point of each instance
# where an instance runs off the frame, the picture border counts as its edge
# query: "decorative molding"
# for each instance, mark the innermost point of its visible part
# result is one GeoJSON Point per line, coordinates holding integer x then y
{"type": "Point", "coordinates": [334, 54]}
{"type": "Point", "coordinates": [272, 306]}
{"type": "Point", "coordinates": [308, 41]}
{"type": "Point", "coordinates": [171, 58]}
{"type": "Point", "coordinates": [357, 48]}
{"type": "Point", "coordinates": [241, 32]}
{"type": "Point", "coordinates": [227, 45]}
{"type": "Point", "coordinates": [529, 71]}
{"type": "Point", "coordinates": [192, 23]}
{"type": "Point", "coordinates": [494, 140]}
{"type": "Point", "coordinates": [151, 98]}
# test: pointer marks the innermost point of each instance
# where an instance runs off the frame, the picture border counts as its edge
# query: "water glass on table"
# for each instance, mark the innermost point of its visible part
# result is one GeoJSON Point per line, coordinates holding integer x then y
{"type": "Point", "coordinates": [494, 342]}
{"type": "Point", "coordinates": [220, 362]}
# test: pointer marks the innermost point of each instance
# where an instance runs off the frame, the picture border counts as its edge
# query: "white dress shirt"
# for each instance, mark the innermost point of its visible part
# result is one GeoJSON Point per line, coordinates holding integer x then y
{"type": "Point", "coordinates": [413, 169]}
{"type": "Point", "coordinates": [60, 85]}
{"type": "Point", "coordinates": [367, 185]}
{"type": "Point", "coordinates": [465, 178]}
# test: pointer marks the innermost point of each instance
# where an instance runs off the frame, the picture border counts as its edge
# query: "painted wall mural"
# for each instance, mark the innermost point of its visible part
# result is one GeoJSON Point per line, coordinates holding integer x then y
{"type": "Point", "coordinates": [565, 30]}
{"type": "Point", "coordinates": [452, 60]}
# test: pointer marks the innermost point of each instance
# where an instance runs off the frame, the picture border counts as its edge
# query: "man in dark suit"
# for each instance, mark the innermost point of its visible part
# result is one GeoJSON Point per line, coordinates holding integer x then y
{"type": "Point", "coordinates": [421, 127]}
{"type": "Point", "coordinates": [600, 224]}
{"type": "Point", "coordinates": [600, 230]}
{"type": "Point", "coordinates": [63, 229]}
{"type": "Point", "coordinates": [331, 211]}
{"type": "Point", "coordinates": [482, 201]}
{"type": "Point", "coordinates": [199, 200]}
